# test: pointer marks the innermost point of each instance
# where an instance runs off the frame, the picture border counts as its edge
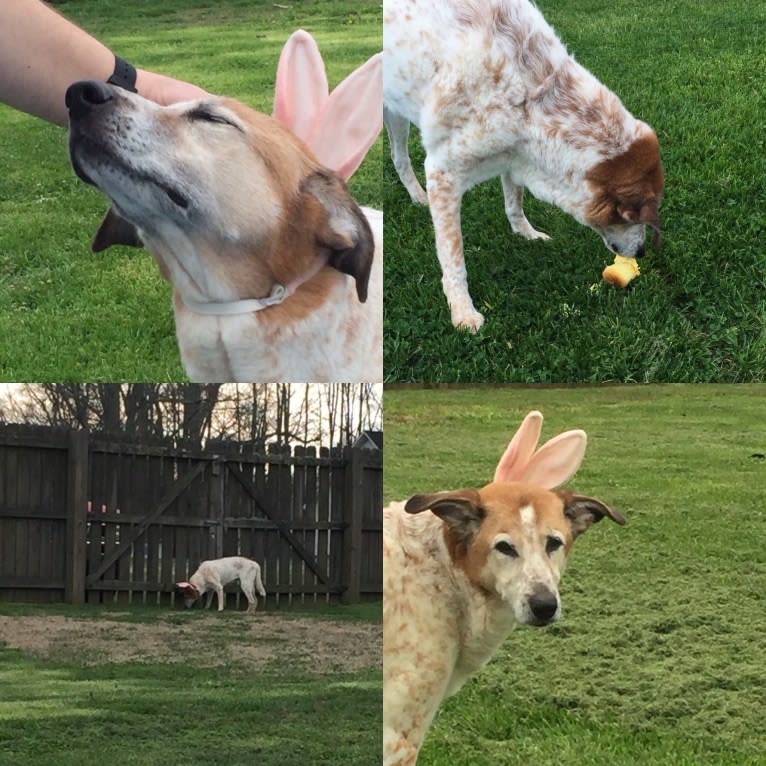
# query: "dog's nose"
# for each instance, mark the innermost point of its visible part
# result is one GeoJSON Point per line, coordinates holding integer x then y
{"type": "Point", "coordinates": [543, 604]}
{"type": "Point", "coordinates": [83, 96]}
{"type": "Point", "coordinates": [641, 251]}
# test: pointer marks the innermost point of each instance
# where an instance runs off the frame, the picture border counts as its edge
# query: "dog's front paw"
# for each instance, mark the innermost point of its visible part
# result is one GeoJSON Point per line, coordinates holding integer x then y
{"type": "Point", "coordinates": [467, 319]}
{"type": "Point", "coordinates": [418, 195]}
{"type": "Point", "coordinates": [525, 229]}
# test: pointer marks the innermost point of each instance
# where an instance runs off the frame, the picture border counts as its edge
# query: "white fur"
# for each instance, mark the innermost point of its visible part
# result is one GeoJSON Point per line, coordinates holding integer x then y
{"type": "Point", "coordinates": [214, 575]}
{"type": "Point", "coordinates": [481, 93]}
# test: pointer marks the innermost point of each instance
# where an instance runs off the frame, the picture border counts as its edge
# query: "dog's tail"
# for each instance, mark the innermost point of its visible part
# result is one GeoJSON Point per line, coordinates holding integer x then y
{"type": "Point", "coordinates": [339, 127]}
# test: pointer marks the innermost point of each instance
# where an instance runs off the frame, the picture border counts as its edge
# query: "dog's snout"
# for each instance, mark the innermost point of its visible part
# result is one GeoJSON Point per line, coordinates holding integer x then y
{"type": "Point", "coordinates": [82, 97]}
{"type": "Point", "coordinates": [543, 604]}
{"type": "Point", "coordinates": [641, 251]}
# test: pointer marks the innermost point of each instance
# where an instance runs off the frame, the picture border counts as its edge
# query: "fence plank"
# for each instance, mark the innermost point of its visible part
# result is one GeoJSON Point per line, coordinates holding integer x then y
{"type": "Point", "coordinates": [77, 513]}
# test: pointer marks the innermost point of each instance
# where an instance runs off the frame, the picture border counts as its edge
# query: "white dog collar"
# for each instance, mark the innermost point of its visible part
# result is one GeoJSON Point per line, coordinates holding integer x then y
{"type": "Point", "coordinates": [230, 308]}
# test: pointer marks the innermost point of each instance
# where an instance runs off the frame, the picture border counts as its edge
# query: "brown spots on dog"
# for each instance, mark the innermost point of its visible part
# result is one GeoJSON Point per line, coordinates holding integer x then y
{"type": "Point", "coordinates": [628, 188]}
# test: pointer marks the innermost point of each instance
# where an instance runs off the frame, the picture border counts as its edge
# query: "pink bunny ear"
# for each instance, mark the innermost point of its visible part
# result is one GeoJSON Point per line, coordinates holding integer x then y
{"type": "Point", "coordinates": [301, 90]}
{"type": "Point", "coordinates": [520, 449]}
{"type": "Point", "coordinates": [550, 466]}
{"type": "Point", "coordinates": [340, 127]}
{"type": "Point", "coordinates": [557, 460]}
{"type": "Point", "coordinates": [351, 120]}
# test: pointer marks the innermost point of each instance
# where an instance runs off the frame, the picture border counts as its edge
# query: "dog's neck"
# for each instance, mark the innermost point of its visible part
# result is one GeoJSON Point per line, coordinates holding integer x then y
{"type": "Point", "coordinates": [189, 272]}
{"type": "Point", "coordinates": [279, 293]}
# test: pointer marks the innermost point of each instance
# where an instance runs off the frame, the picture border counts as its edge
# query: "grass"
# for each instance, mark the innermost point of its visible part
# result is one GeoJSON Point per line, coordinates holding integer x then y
{"type": "Point", "coordinates": [69, 315]}
{"type": "Point", "coordinates": [697, 312]}
{"type": "Point", "coordinates": [153, 714]}
{"type": "Point", "coordinates": [658, 658]}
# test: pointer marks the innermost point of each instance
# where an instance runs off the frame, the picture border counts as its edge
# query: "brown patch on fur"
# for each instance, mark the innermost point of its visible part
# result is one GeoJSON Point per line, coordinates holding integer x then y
{"type": "Point", "coordinates": [628, 188]}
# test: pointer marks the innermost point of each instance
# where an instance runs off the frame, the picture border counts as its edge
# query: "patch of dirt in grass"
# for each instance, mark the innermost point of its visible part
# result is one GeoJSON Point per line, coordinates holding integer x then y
{"type": "Point", "coordinates": [249, 642]}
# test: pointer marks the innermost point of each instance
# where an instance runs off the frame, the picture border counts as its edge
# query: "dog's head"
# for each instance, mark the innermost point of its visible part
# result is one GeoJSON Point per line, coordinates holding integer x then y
{"type": "Point", "coordinates": [626, 195]}
{"type": "Point", "coordinates": [219, 194]}
{"type": "Point", "coordinates": [512, 540]}
{"type": "Point", "coordinates": [189, 592]}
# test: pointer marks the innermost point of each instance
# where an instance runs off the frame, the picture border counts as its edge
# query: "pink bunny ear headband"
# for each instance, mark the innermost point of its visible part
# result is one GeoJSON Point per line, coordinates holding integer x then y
{"type": "Point", "coordinates": [551, 465]}
{"type": "Point", "coordinates": [339, 127]}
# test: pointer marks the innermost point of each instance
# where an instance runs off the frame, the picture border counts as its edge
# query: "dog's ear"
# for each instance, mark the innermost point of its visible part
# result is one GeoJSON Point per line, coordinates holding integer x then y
{"type": "Point", "coordinates": [461, 510]}
{"type": "Point", "coordinates": [115, 230]}
{"type": "Point", "coordinates": [342, 230]}
{"type": "Point", "coordinates": [184, 585]}
{"type": "Point", "coordinates": [582, 511]}
{"type": "Point", "coordinates": [647, 213]}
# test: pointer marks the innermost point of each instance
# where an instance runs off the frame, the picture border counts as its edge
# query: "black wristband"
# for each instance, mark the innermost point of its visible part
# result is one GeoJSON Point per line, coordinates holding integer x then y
{"type": "Point", "coordinates": [124, 75]}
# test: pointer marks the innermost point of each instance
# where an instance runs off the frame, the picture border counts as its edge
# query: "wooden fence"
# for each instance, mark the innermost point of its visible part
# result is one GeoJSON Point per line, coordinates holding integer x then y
{"type": "Point", "coordinates": [87, 519]}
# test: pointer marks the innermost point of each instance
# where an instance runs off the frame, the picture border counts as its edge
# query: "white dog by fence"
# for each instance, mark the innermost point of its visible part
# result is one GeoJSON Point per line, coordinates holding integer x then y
{"type": "Point", "coordinates": [214, 575]}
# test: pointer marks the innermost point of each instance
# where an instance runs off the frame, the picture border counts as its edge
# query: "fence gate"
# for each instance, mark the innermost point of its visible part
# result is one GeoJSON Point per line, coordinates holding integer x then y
{"type": "Point", "coordinates": [87, 518]}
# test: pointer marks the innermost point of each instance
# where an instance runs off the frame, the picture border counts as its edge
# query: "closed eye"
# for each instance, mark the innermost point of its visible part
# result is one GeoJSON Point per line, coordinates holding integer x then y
{"type": "Point", "coordinates": [553, 544]}
{"type": "Point", "coordinates": [507, 549]}
{"type": "Point", "coordinates": [203, 114]}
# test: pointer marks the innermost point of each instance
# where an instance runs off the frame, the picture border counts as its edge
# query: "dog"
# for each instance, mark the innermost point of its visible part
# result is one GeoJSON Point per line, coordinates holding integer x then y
{"type": "Point", "coordinates": [462, 568]}
{"type": "Point", "coordinates": [277, 272]}
{"type": "Point", "coordinates": [214, 575]}
{"type": "Point", "coordinates": [494, 92]}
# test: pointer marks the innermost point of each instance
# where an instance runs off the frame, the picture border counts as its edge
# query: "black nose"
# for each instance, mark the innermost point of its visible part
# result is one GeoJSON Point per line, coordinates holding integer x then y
{"type": "Point", "coordinates": [543, 605]}
{"type": "Point", "coordinates": [83, 96]}
{"type": "Point", "coordinates": [641, 252]}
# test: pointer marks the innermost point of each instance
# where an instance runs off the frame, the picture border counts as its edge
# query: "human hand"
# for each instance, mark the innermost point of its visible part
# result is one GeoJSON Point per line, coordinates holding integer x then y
{"type": "Point", "coordinates": [166, 90]}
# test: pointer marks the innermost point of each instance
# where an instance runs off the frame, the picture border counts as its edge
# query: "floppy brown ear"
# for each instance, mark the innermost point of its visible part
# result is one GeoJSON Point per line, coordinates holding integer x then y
{"type": "Point", "coordinates": [647, 214]}
{"type": "Point", "coordinates": [344, 231]}
{"type": "Point", "coordinates": [115, 230]}
{"type": "Point", "coordinates": [582, 511]}
{"type": "Point", "coordinates": [460, 509]}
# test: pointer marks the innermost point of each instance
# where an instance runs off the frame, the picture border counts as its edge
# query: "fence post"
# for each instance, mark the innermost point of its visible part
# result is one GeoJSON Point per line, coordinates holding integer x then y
{"type": "Point", "coordinates": [217, 509]}
{"type": "Point", "coordinates": [77, 515]}
{"type": "Point", "coordinates": [352, 536]}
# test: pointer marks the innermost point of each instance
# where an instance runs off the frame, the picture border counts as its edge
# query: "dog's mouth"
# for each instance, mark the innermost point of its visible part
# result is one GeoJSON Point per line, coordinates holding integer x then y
{"type": "Point", "coordinates": [105, 164]}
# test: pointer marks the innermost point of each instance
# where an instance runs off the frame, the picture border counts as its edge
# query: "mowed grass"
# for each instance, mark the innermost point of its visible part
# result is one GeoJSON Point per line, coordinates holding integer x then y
{"type": "Point", "coordinates": [55, 713]}
{"type": "Point", "coordinates": [68, 314]}
{"type": "Point", "coordinates": [696, 314]}
{"type": "Point", "coordinates": [658, 659]}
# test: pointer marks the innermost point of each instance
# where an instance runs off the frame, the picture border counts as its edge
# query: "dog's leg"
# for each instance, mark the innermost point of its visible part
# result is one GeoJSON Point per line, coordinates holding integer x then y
{"type": "Point", "coordinates": [444, 197]}
{"type": "Point", "coordinates": [514, 209]}
{"type": "Point", "coordinates": [252, 601]}
{"type": "Point", "coordinates": [221, 596]}
{"type": "Point", "coordinates": [398, 130]}
{"type": "Point", "coordinates": [208, 599]}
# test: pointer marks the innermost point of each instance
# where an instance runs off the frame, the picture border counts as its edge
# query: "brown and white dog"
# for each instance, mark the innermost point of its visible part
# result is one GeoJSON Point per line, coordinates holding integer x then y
{"type": "Point", "coordinates": [214, 575]}
{"type": "Point", "coordinates": [460, 569]}
{"type": "Point", "coordinates": [495, 93]}
{"type": "Point", "coordinates": [277, 272]}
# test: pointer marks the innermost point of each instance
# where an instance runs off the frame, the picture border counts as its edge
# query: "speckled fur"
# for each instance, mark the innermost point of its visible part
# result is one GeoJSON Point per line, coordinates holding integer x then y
{"type": "Point", "coordinates": [495, 93]}
{"type": "Point", "coordinates": [451, 597]}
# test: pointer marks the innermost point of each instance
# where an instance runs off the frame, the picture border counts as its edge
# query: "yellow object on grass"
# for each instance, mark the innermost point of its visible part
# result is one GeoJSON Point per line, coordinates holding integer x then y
{"type": "Point", "coordinates": [622, 271]}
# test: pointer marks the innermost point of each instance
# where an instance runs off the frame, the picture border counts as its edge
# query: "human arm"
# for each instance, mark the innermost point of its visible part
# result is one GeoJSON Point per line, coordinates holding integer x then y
{"type": "Point", "coordinates": [42, 54]}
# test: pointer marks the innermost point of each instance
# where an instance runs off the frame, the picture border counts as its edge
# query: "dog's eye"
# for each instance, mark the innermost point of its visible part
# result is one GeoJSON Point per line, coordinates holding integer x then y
{"type": "Point", "coordinates": [553, 544]}
{"type": "Point", "coordinates": [205, 115]}
{"type": "Point", "coordinates": [507, 549]}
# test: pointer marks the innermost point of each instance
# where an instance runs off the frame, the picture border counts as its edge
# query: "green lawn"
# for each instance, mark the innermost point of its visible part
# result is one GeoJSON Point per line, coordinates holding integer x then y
{"type": "Point", "coordinates": [694, 71]}
{"type": "Point", "coordinates": [659, 657]}
{"type": "Point", "coordinates": [67, 314]}
{"type": "Point", "coordinates": [64, 711]}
